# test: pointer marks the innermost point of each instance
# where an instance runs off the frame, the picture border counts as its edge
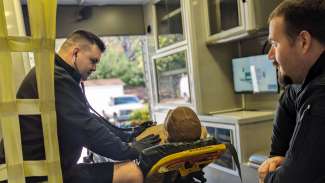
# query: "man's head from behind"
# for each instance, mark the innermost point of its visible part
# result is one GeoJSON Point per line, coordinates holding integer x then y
{"type": "Point", "coordinates": [82, 50]}
{"type": "Point", "coordinates": [297, 36]}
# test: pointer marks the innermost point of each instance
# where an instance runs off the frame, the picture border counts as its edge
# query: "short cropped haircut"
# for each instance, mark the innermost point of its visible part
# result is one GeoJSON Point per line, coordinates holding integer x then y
{"type": "Point", "coordinates": [300, 15]}
{"type": "Point", "coordinates": [82, 35]}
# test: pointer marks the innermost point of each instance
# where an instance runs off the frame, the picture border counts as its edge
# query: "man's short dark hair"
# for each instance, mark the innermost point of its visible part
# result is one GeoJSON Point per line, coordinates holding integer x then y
{"type": "Point", "coordinates": [299, 15]}
{"type": "Point", "coordinates": [88, 36]}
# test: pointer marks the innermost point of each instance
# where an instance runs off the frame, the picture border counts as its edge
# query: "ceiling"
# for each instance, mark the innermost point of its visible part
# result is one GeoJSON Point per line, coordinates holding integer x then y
{"type": "Point", "coordinates": [98, 2]}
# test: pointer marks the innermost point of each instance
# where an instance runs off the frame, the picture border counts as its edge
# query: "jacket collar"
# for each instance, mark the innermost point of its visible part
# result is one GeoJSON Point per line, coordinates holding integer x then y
{"type": "Point", "coordinates": [61, 63]}
{"type": "Point", "coordinates": [317, 69]}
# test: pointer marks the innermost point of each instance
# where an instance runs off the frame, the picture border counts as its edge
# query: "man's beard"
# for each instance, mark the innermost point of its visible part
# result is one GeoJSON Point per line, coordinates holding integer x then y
{"type": "Point", "coordinates": [284, 80]}
{"type": "Point", "coordinates": [84, 77]}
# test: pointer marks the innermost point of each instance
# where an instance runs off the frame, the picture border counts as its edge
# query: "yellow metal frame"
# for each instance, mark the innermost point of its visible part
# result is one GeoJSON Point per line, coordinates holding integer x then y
{"type": "Point", "coordinates": [188, 161]}
{"type": "Point", "coordinates": [42, 18]}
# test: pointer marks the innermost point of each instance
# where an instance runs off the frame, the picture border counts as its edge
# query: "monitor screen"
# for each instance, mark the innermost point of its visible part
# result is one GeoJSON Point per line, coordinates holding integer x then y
{"type": "Point", "coordinates": [254, 74]}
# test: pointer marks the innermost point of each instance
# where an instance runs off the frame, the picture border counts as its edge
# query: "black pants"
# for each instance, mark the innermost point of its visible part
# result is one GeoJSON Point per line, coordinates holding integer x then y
{"type": "Point", "coordinates": [90, 173]}
{"type": "Point", "coordinates": [83, 173]}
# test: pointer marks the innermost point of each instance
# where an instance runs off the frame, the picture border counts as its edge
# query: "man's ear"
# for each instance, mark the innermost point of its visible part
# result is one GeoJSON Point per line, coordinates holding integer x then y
{"type": "Point", "coordinates": [305, 41]}
{"type": "Point", "coordinates": [75, 52]}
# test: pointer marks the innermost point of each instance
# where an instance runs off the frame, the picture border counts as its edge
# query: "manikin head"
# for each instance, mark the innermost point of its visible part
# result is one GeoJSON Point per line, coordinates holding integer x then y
{"type": "Point", "coordinates": [182, 125]}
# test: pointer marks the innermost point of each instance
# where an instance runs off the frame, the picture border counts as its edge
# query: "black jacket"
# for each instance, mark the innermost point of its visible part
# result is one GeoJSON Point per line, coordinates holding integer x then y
{"type": "Point", "coordinates": [284, 121]}
{"type": "Point", "coordinates": [305, 155]}
{"type": "Point", "coordinates": [77, 126]}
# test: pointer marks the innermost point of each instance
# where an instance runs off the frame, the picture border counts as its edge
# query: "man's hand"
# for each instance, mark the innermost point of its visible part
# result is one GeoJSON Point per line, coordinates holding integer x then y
{"type": "Point", "coordinates": [269, 165]}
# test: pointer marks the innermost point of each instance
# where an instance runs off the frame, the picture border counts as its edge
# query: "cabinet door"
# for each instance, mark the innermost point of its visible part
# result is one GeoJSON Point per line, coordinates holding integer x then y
{"type": "Point", "coordinates": [172, 78]}
{"type": "Point", "coordinates": [224, 134]}
{"type": "Point", "coordinates": [223, 15]}
{"type": "Point", "coordinates": [169, 23]}
{"type": "Point", "coordinates": [225, 19]}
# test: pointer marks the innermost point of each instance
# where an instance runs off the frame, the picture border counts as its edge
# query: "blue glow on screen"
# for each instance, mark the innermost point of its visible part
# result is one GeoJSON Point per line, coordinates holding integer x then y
{"type": "Point", "coordinates": [265, 73]}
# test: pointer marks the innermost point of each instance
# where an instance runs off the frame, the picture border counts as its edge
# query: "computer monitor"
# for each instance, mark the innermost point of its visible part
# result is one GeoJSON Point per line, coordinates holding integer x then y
{"type": "Point", "coordinates": [254, 74]}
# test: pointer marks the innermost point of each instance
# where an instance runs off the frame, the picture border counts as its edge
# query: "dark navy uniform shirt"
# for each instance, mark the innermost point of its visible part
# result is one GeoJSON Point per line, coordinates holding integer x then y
{"type": "Point", "coordinates": [77, 126]}
{"type": "Point", "coordinates": [299, 133]}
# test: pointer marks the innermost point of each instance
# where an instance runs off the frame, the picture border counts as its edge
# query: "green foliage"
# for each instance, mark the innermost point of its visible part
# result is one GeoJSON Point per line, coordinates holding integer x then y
{"type": "Point", "coordinates": [140, 115]}
{"type": "Point", "coordinates": [171, 62]}
{"type": "Point", "coordinates": [168, 39]}
{"type": "Point", "coordinates": [123, 59]}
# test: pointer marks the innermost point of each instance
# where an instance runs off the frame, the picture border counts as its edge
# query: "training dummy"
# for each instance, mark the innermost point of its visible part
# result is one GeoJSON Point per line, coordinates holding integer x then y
{"type": "Point", "coordinates": [181, 125]}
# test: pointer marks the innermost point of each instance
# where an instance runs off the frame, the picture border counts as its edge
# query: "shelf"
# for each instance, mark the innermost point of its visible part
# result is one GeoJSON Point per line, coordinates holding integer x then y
{"type": "Point", "coordinates": [171, 14]}
{"type": "Point", "coordinates": [239, 117]}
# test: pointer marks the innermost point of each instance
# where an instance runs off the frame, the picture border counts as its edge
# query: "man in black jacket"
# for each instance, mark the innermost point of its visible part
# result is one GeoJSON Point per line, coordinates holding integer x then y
{"type": "Point", "coordinates": [283, 127]}
{"type": "Point", "coordinates": [298, 51]}
{"type": "Point", "coordinates": [77, 126]}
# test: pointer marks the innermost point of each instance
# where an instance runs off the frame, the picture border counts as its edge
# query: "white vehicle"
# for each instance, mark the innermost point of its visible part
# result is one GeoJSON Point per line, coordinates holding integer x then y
{"type": "Point", "coordinates": [121, 107]}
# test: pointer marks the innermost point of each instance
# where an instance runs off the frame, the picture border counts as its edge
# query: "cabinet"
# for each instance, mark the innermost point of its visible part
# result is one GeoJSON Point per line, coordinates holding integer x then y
{"type": "Point", "coordinates": [228, 20]}
{"type": "Point", "coordinates": [172, 78]}
{"type": "Point", "coordinates": [169, 23]}
{"type": "Point", "coordinates": [170, 63]}
{"type": "Point", "coordinates": [248, 131]}
{"type": "Point", "coordinates": [224, 134]}
{"type": "Point", "coordinates": [202, 77]}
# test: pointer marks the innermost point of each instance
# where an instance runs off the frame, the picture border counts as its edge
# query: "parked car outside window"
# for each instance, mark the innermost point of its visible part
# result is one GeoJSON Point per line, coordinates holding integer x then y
{"type": "Point", "coordinates": [121, 107]}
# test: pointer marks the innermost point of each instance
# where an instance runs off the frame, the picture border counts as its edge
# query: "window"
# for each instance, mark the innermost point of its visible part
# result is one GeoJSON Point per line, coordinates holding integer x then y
{"type": "Point", "coordinates": [169, 22]}
{"type": "Point", "coordinates": [119, 77]}
{"type": "Point", "coordinates": [172, 79]}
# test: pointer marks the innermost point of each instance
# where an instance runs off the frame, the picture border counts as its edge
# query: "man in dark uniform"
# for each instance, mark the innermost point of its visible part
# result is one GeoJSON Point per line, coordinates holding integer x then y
{"type": "Point", "coordinates": [283, 127]}
{"type": "Point", "coordinates": [77, 126]}
{"type": "Point", "coordinates": [298, 51]}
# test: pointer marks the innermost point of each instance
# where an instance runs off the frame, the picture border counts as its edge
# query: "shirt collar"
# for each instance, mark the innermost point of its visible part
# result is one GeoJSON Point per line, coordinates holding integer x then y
{"type": "Point", "coordinates": [61, 63]}
{"type": "Point", "coordinates": [317, 69]}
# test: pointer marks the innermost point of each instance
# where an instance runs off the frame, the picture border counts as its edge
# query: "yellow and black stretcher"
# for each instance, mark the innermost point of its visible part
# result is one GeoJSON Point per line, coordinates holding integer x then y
{"type": "Point", "coordinates": [187, 159]}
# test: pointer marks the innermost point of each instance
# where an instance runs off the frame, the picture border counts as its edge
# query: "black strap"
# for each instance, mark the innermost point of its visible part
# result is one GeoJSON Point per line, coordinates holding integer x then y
{"type": "Point", "coordinates": [234, 154]}
{"type": "Point", "coordinates": [98, 115]}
